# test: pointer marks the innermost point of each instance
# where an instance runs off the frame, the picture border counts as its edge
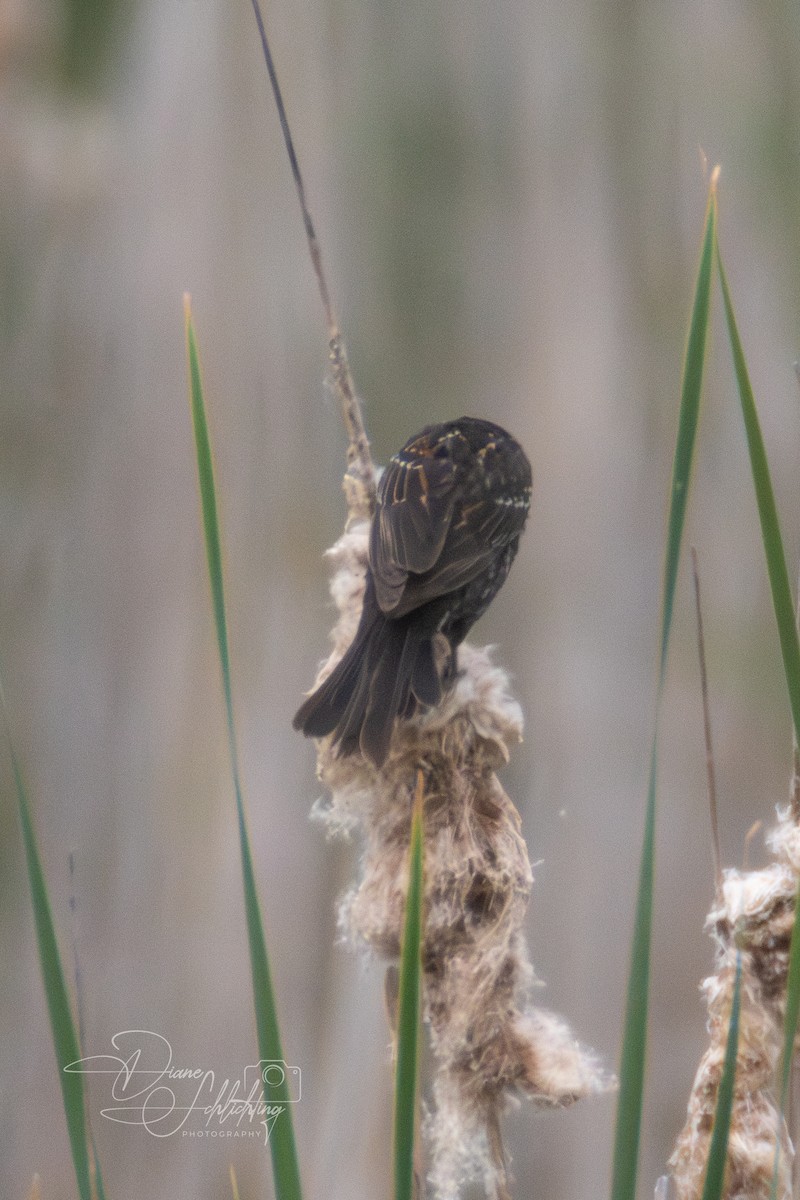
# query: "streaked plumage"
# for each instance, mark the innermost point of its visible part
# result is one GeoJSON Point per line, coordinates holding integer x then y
{"type": "Point", "coordinates": [451, 506]}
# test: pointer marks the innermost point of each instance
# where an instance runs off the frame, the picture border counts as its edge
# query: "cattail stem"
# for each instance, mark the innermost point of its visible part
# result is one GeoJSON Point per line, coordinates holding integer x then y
{"type": "Point", "coordinates": [360, 483]}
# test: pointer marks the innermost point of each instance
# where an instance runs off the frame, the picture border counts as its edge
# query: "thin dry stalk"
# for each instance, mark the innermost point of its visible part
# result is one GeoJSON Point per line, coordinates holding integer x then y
{"type": "Point", "coordinates": [359, 481]}
{"type": "Point", "coordinates": [794, 791]}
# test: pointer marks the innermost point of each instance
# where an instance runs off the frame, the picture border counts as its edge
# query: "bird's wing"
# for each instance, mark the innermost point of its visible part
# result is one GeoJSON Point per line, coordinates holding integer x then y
{"type": "Point", "coordinates": [412, 517]}
{"type": "Point", "coordinates": [472, 546]}
{"type": "Point", "coordinates": [417, 514]}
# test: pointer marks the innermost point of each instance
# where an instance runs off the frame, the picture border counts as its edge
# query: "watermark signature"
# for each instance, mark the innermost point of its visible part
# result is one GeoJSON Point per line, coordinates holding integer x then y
{"type": "Point", "coordinates": [149, 1090]}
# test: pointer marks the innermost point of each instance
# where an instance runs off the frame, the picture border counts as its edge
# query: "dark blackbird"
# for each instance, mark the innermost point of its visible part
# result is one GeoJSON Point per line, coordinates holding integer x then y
{"type": "Point", "coordinates": [450, 510]}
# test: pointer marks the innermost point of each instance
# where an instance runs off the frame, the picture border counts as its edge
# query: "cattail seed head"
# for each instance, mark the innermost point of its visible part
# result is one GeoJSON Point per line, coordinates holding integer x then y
{"type": "Point", "coordinates": [490, 1044]}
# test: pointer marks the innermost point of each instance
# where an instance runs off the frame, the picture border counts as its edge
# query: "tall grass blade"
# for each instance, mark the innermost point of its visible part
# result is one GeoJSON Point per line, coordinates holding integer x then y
{"type": "Point", "coordinates": [408, 1020]}
{"type": "Point", "coordinates": [792, 1009]}
{"type": "Point", "coordinates": [634, 1043]}
{"type": "Point", "coordinates": [691, 392]}
{"type": "Point", "coordinates": [718, 1150]}
{"type": "Point", "coordinates": [285, 1168]}
{"type": "Point", "coordinates": [65, 1038]}
{"type": "Point", "coordinates": [767, 512]}
{"type": "Point", "coordinates": [784, 615]}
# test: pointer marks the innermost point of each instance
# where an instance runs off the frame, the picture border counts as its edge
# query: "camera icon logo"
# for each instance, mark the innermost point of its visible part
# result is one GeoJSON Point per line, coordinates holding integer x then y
{"type": "Point", "coordinates": [272, 1074]}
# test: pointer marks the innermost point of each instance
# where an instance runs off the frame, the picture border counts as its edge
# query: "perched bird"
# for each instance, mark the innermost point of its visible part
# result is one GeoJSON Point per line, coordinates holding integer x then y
{"type": "Point", "coordinates": [451, 506]}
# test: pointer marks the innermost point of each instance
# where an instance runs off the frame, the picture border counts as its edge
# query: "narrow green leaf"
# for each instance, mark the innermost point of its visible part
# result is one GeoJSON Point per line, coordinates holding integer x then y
{"type": "Point", "coordinates": [784, 616]}
{"type": "Point", "coordinates": [691, 391]}
{"type": "Point", "coordinates": [286, 1173]}
{"type": "Point", "coordinates": [65, 1038]}
{"type": "Point", "coordinates": [789, 1030]}
{"type": "Point", "coordinates": [634, 1043]}
{"type": "Point", "coordinates": [718, 1150]}
{"type": "Point", "coordinates": [767, 512]}
{"type": "Point", "coordinates": [408, 1021]}
{"type": "Point", "coordinates": [792, 1006]}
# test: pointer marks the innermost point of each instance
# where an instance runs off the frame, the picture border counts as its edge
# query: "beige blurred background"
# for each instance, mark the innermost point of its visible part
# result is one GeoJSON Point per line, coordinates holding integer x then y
{"type": "Point", "coordinates": [510, 199]}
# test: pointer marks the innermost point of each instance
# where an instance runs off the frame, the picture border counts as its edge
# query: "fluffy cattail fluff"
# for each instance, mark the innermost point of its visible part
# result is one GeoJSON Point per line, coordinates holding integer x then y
{"type": "Point", "coordinates": [489, 1043]}
{"type": "Point", "coordinates": [753, 913]}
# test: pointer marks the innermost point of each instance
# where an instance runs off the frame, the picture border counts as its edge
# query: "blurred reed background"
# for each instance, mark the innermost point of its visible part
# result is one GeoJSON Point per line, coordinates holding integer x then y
{"type": "Point", "coordinates": [510, 201]}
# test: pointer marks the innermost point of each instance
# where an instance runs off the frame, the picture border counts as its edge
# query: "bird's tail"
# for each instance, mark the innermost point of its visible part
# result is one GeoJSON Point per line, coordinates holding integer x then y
{"type": "Point", "coordinates": [387, 672]}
